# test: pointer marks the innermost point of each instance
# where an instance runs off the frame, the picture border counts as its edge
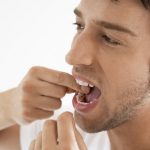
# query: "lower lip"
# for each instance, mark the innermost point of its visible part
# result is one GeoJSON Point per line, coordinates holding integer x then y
{"type": "Point", "coordinates": [83, 107]}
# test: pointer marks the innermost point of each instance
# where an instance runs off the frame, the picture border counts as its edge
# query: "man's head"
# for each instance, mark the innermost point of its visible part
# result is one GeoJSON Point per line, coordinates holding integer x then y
{"type": "Point", "coordinates": [111, 49]}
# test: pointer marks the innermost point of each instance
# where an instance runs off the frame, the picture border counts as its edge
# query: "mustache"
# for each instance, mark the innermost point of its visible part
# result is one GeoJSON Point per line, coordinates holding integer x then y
{"type": "Point", "coordinates": [87, 71]}
{"type": "Point", "coordinates": [83, 69]}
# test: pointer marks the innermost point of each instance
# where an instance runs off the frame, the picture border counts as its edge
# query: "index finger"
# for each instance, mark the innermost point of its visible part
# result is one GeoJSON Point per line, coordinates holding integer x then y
{"type": "Point", "coordinates": [56, 77]}
{"type": "Point", "coordinates": [66, 131]}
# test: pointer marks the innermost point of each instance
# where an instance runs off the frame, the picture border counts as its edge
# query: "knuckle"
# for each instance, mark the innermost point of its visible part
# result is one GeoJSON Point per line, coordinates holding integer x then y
{"type": "Point", "coordinates": [26, 113]}
{"type": "Point", "coordinates": [64, 116]}
{"type": "Point", "coordinates": [51, 113]}
{"type": "Point", "coordinates": [49, 123]}
{"type": "Point", "coordinates": [34, 70]}
{"type": "Point", "coordinates": [27, 86]}
{"type": "Point", "coordinates": [58, 104]}
{"type": "Point", "coordinates": [61, 77]}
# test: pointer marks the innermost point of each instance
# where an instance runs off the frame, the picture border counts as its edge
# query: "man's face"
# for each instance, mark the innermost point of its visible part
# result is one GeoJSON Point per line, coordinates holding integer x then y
{"type": "Point", "coordinates": [111, 49]}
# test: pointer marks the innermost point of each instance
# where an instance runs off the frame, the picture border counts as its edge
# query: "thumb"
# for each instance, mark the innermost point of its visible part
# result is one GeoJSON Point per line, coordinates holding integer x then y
{"type": "Point", "coordinates": [68, 134]}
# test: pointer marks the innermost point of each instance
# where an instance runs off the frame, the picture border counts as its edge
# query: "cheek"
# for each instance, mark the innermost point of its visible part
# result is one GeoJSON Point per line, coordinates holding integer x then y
{"type": "Point", "coordinates": [125, 77]}
{"type": "Point", "coordinates": [125, 72]}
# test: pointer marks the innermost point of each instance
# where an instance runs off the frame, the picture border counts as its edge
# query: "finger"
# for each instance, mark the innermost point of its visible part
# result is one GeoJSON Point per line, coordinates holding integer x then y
{"type": "Point", "coordinates": [49, 136]}
{"type": "Point", "coordinates": [70, 91]}
{"type": "Point", "coordinates": [34, 114]}
{"type": "Point", "coordinates": [50, 89]}
{"type": "Point", "coordinates": [46, 103]}
{"type": "Point", "coordinates": [56, 77]}
{"type": "Point", "coordinates": [32, 145]}
{"type": "Point", "coordinates": [66, 133]}
{"type": "Point", "coordinates": [38, 143]}
{"type": "Point", "coordinates": [80, 140]}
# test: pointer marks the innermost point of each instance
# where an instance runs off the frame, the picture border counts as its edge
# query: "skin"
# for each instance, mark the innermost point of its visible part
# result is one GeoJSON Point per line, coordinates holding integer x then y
{"type": "Point", "coordinates": [36, 97]}
{"type": "Point", "coordinates": [117, 61]}
{"type": "Point", "coordinates": [121, 70]}
{"type": "Point", "coordinates": [67, 134]}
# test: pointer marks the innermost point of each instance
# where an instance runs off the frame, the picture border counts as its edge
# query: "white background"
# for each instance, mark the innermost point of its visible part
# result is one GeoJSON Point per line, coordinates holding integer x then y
{"type": "Point", "coordinates": [34, 32]}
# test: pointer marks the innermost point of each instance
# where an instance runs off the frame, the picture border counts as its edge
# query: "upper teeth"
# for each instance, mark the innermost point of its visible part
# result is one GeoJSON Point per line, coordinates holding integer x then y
{"type": "Point", "coordinates": [83, 83]}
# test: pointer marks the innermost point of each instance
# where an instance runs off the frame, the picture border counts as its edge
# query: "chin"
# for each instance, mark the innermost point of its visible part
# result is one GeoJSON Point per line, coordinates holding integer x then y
{"type": "Point", "coordinates": [86, 125]}
{"type": "Point", "coordinates": [98, 124]}
{"type": "Point", "coordinates": [89, 128]}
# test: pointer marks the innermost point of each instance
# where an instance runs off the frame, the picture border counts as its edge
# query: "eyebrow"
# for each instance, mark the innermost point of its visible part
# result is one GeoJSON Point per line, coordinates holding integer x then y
{"type": "Point", "coordinates": [116, 27]}
{"type": "Point", "coordinates": [107, 25]}
{"type": "Point", "coordinates": [78, 12]}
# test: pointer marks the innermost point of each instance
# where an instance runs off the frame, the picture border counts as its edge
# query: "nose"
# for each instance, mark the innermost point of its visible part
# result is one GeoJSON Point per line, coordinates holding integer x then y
{"type": "Point", "coordinates": [82, 50]}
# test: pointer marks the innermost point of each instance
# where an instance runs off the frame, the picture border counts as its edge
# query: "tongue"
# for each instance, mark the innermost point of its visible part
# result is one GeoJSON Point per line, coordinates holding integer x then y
{"type": "Point", "coordinates": [94, 94]}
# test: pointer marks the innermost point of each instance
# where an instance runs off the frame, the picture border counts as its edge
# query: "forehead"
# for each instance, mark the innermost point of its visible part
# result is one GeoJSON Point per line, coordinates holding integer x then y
{"type": "Point", "coordinates": [99, 7]}
{"type": "Point", "coordinates": [129, 13]}
{"type": "Point", "coordinates": [106, 3]}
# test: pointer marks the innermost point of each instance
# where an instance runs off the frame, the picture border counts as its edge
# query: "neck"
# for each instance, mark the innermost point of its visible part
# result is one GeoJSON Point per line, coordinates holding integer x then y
{"type": "Point", "coordinates": [132, 135]}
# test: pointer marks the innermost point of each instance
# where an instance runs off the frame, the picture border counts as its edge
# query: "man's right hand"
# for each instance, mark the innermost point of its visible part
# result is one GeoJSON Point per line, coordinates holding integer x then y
{"type": "Point", "coordinates": [39, 94]}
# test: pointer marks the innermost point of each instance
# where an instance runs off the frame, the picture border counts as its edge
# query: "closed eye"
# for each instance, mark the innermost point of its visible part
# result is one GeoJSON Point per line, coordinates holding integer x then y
{"type": "Point", "coordinates": [107, 39]}
{"type": "Point", "coordinates": [110, 40]}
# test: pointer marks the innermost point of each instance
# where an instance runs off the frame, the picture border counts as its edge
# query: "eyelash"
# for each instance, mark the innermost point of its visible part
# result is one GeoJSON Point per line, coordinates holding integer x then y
{"type": "Point", "coordinates": [78, 26]}
{"type": "Point", "coordinates": [111, 41]}
{"type": "Point", "coordinates": [105, 37]}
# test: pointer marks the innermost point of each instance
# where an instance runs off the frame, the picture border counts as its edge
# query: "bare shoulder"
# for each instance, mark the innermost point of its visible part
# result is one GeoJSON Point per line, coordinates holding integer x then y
{"type": "Point", "coordinates": [9, 138]}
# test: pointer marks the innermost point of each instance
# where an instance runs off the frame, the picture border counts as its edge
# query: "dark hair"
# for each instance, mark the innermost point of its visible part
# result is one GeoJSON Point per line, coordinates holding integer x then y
{"type": "Point", "coordinates": [146, 3]}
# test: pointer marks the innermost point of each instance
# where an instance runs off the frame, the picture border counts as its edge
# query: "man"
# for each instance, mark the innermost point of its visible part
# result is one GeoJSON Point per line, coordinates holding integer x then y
{"type": "Point", "coordinates": [110, 56]}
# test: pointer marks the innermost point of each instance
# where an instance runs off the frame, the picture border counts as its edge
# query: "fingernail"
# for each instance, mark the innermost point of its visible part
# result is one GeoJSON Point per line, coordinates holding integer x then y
{"type": "Point", "coordinates": [85, 89]}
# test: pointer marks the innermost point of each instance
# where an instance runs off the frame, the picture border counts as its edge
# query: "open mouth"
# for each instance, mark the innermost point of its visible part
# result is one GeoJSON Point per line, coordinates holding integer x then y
{"type": "Point", "coordinates": [91, 94]}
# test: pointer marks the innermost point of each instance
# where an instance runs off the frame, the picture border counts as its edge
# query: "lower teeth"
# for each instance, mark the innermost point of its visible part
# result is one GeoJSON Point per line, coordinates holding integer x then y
{"type": "Point", "coordinates": [81, 97]}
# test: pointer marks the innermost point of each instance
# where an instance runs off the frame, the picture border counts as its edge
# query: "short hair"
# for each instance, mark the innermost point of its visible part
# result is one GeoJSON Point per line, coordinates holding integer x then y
{"type": "Point", "coordinates": [146, 3]}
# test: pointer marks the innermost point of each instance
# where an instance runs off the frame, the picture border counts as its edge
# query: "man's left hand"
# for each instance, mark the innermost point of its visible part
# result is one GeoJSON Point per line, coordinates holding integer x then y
{"type": "Point", "coordinates": [59, 135]}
